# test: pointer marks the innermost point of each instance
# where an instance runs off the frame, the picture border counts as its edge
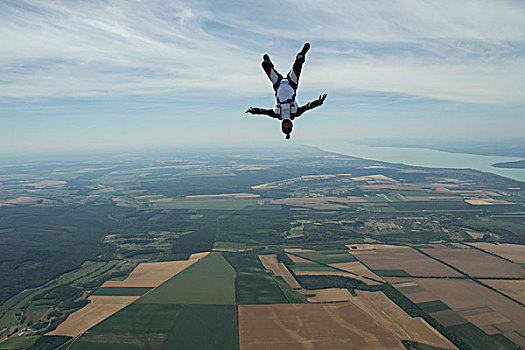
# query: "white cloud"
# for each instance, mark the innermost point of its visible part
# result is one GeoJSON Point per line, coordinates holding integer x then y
{"type": "Point", "coordinates": [455, 50]}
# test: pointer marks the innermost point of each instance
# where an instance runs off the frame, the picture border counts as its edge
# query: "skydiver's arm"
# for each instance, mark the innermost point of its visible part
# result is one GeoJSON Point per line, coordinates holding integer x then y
{"type": "Point", "coordinates": [268, 112]}
{"type": "Point", "coordinates": [310, 105]}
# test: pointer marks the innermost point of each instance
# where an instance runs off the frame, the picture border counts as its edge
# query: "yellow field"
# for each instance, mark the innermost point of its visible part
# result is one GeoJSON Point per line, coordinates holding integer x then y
{"type": "Point", "coordinates": [270, 263]}
{"type": "Point", "coordinates": [297, 259]}
{"type": "Point", "coordinates": [486, 201]}
{"type": "Point", "coordinates": [100, 308]}
{"type": "Point", "coordinates": [154, 274]}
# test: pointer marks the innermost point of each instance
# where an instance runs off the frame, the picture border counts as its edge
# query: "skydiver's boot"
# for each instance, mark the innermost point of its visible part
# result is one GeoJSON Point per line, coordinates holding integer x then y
{"type": "Point", "coordinates": [287, 136]}
{"type": "Point", "coordinates": [305, 49]}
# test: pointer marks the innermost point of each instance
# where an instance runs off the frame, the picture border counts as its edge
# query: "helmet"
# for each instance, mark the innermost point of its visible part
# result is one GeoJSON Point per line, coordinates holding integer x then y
{"type": "Point", "coordinates": [286, 126]}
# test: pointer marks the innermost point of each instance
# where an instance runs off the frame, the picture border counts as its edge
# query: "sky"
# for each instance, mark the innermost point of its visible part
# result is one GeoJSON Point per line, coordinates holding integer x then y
{"type": "Point", "coordinates": [102, 74]}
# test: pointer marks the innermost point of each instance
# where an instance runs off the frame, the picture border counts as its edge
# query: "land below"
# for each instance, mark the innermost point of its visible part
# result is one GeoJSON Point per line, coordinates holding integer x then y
{"type": "Point", "coordinates": [261, 248]}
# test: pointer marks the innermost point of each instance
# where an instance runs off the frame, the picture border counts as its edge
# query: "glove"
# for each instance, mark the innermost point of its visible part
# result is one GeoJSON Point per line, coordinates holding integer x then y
{"type": "Point", "coordinates": [321, 99]}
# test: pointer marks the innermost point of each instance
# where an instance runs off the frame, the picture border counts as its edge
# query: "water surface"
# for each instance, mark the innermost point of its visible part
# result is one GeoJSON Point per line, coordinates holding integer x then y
{"type": "Point", "coordinates": [426, 158]}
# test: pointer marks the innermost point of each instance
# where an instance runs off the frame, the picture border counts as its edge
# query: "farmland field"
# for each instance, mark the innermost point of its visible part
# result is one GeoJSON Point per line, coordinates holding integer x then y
{"type": "Point", "coordinates": [474, 262]}
{"type": "Point", "coordinates": [99, 309]}
{"type": "Point", "coordinates": [121, 291]}
{"type": "Point", "coordinates": [384, 258]}
{"type": "Point", "coordinates": [156, 326]}
{"type": "Point", "coordinates": [514, 252]}
{"type": "Point", "coordinates": [359, 269]}
{"type": "Point", "coordinates": [483, 307]}
{"type": "Point", "coordinates": [115, 248]}
{"type": "Point", "coordinates": [279, 269]}
{"type": "Point", "coordinates": [356, 324]}
{"type": "Point", "coordinates": [513, 288]}
{"type": "Point", "coordinates": [151, 274]}
{"type": "Point", "coordinates": [254, 285]}
{"type": "Point", "coordinates": [209, 281]}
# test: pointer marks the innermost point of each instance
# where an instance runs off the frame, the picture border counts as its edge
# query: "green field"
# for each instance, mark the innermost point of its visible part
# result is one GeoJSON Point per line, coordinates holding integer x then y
{"type": "Point", "coordinates": [18, 343]}
{"type": "Point", "coordinates": [311, 267]}
{"type": "Point", "coordinates": [156, 326]}
{"type": "Point", "coordinates": [122, 291]}
{"type": "Point", "coordinates": [192, 310]}
{"type": "Point", "coordinates": [209, 281]}
{"type": "Point", "coordinates": [433, 306]}
{"type": "Point", "coordinates": [291, 295]}
{"type": "Point", "coordinates": [331, 258]}
{"type": "Point", "coordinates": [254, 285]}
{"type": "Point", "coordinates": [477, 339]}
{"type": "Point", "coordinates": [391, 273]}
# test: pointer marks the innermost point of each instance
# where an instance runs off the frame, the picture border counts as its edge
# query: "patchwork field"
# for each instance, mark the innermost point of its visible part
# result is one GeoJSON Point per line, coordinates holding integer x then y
{"type": "Point", "coordinates": [486, 309]}
{"type": "Point", "coordinates": [514, 252]}
{"type": "Point", "coordinates": [200, 297]}
{"type": "Point", "coordinates": [368, 321]}
{"type": "Point", "coordinates": [474, 262]}
{"type": "Point", "coordinates": [398, 258]}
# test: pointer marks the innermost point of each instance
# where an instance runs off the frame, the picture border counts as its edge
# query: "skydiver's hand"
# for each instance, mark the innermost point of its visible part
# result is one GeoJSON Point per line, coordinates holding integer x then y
{"type": "Point", "coordinates": [250, 110]}
{"type": "Point", "coordinates": [322, 98]}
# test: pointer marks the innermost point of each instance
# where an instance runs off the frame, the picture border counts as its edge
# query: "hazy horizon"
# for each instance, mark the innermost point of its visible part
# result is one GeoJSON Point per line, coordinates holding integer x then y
{"type": "Point", "coordinates": [83, 75]}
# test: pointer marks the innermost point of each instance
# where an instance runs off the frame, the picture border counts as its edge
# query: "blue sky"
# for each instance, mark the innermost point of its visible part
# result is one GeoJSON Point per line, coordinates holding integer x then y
{"type": "Point", "coordinates": [98, 74]}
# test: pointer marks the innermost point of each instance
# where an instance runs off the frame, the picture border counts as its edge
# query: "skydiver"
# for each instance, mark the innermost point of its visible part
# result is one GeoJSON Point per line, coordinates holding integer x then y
{"type": "Point", "coordinates": [286, 107]}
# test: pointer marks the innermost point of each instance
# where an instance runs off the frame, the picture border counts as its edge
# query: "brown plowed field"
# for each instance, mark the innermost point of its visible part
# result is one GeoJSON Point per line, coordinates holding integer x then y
{"type": "Point", "coordinates": [476, 263]}
{"type": "Point", "coordinates": [368, 321]}
{"type": "Point", "coordinates": [360, 270]}
{"type": "Point", "coordinates": [100, 308]}
{"type": "Point", "coordinates": [478, 304]}
{"type": "Point", "coordinates": [513, 288]}
{"type": "Point", "coordinates": [514, 252]}
{"type": "Point", "coordinates": [270, 263]}
{"type": "Point", "coordinates": [401, 258]}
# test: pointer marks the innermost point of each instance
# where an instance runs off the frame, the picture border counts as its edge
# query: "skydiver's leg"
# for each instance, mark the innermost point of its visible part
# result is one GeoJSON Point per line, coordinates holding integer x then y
{"type": "Point", "coordinates": [270, 71]}
{"type": "Point", "coordinates": [295, 72]}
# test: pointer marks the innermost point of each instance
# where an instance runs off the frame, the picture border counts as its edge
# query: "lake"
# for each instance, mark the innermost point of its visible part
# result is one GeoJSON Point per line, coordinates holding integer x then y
{"type": "Point", "coordinates": [426, 158]}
